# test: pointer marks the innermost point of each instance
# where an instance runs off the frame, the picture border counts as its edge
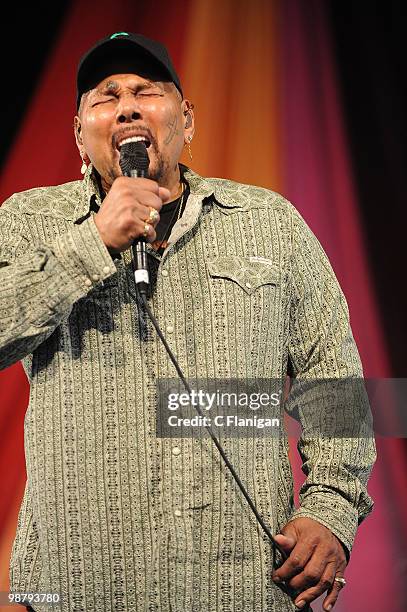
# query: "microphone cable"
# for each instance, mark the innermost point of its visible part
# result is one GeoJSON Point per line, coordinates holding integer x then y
{"type": "Point", "coordinates": [134, 162]}
{"type": "Point", "coordinates": [215, 440]}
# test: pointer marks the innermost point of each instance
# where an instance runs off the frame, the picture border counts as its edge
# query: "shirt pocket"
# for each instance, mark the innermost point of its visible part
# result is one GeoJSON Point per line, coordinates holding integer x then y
{"type": "Point", "coordinates": [248, 272]}
{"type": "Point", "coordinates": [246, 315]}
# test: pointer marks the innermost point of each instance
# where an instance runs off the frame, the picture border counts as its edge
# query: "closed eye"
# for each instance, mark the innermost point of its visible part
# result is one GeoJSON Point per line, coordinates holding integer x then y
{"type": "Point", "coordinates": [103, 100]}
{"type": "Point", "coordinates": [150, 93]}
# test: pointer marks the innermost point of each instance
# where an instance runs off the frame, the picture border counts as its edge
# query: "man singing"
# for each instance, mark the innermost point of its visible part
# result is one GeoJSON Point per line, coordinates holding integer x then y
{"type": "Point", "coordinates": [115, 517]}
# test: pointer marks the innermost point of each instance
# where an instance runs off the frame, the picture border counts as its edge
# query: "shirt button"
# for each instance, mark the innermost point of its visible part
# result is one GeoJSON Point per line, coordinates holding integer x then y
{"type": "Point", "coordinates": [88, 282]}
{"type": "Point", "coordinates": [164, 273]}
{"type": "Point", "coordinates": [176, 450]}
{"type": "Point", "coordinates": [106, 270]}
{"type": "Point", "coordinates": [170, 329]}
{"type": "Point", "coordinates": [248, 285]}
{"type": "Point", "coordinates": [177, 512]}
{"type": "Point", "coordinates": [95, 277]}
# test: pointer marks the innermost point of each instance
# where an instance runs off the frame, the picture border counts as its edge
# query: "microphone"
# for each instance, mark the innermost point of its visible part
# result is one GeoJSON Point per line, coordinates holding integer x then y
{"type": "Point", "coordinates": [134, 162]}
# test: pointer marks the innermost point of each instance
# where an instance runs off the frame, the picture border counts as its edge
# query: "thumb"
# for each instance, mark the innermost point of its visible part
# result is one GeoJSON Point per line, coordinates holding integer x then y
{"type": "Point", "coordinates": [164, 194]}
{"type": "Point", "coordinates": [287, 539]}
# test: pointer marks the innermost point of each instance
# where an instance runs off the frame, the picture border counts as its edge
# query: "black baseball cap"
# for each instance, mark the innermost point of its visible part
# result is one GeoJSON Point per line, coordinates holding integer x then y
{"type": "Point", "coordinates": [124, 52]}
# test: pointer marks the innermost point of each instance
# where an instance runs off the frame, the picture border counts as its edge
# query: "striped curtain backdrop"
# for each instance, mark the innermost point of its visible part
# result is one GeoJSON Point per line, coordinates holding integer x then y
{"type": "Point", "coordinates": [268, 106]}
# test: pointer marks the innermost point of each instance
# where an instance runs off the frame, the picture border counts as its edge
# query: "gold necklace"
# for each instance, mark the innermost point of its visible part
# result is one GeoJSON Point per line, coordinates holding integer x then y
{"type": "Point", "coordinates": [181, 201]}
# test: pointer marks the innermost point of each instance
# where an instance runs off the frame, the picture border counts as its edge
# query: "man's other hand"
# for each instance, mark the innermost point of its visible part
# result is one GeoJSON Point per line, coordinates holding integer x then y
{"type": "Point", "coordinates": [315, 558]}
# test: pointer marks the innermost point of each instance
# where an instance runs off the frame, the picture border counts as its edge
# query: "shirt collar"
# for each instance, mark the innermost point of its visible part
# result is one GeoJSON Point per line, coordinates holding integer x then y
{"type": "Point", "coordinates": [222, 192]}
{"type": "Point", "coordinates": [90, 191]}
{"type": "Point", "coordinates": [227, 195]}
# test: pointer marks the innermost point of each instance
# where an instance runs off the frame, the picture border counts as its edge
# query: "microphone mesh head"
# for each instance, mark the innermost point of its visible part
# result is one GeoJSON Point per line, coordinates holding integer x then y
{"type": "Point", "coordinates": [134, 156]}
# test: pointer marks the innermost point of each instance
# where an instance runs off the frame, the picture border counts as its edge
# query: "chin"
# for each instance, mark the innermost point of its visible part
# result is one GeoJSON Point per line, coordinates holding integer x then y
{"type": "Point", "coordinates": [159, 170]}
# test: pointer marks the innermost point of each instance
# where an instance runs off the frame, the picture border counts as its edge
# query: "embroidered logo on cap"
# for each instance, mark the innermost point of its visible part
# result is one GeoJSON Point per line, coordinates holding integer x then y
{"type": "Point", "coordinates": [116, 34]}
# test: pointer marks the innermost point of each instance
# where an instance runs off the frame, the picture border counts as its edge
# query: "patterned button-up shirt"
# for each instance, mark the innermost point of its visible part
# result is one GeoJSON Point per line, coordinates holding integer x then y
{"type": "Point", "coordinates": [113, 516]}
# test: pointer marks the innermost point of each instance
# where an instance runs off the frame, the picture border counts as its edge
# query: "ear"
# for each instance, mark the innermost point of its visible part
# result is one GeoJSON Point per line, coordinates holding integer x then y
{"type": "Point", "coordinates": [189, 119]}
{"type": "Point", "coordinates": [77, 132]}
{"type": "Point", "coordinates": [78, 139]}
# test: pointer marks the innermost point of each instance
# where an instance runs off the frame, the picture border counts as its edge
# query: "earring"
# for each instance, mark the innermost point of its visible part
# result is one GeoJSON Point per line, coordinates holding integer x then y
{"type": "Point", "coordinates": [188, 143]}
{"type": "Point", "coordinates": [83, 167]}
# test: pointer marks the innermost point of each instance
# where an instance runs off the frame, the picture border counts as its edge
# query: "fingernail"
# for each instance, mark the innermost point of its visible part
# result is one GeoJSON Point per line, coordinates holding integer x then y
{"type": "Point", "coordinates": [329, 607]}
{"type": "Point", "coordinates": [277, 579]}
{"type": "Point", "coordinates": [300, 604]}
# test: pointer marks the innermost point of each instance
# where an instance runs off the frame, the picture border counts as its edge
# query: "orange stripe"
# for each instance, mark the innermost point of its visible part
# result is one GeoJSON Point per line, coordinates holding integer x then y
{"type": "Point", "coordinates": [230, 73]}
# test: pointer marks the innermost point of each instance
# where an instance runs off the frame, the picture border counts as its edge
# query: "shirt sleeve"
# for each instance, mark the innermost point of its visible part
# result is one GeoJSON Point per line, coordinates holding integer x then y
{"type": "Point", "coordinates": [40, 283]}
{"type": "Point", "coordinates": [328, 395]}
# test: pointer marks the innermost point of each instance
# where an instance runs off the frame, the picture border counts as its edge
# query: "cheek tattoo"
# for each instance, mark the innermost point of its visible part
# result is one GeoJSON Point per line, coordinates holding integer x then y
{"type": "Point", "coordinates": [172, 129]}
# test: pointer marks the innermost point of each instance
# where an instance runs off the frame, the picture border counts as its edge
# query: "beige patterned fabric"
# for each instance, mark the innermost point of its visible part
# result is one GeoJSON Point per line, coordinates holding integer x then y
{"type": "Point", "coordinates": [114, 518]}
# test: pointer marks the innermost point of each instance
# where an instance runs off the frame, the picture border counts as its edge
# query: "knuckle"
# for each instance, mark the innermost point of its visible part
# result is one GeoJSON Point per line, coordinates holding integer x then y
{"type": "Point", "coordinates": [121, 180]}
{"type": "Point", "coordinates": [150, 200]}
{"type": "Point", "coordinates": [311, 575]}
{"type": "Point", "coordinates": [295, 562]}
{"type": "Point", "coordinates": [149, 185]}
{"type": "Point", "coordinates": [123, 185]}
{"type": "Point", "coordinates": [156, 201]}
{"type": "Point", "coordinates": [315, 592]}
{"type": "Point", "coordinates": [294, 565]}
{"type": "Point", "coordinates": [325, 584]}
{"type": "Point", "coordinates": [126, 222]}
{"type": "Point", "coordinates": [318, 589]}
{"type": "Point", "coordinates": [298, 586]}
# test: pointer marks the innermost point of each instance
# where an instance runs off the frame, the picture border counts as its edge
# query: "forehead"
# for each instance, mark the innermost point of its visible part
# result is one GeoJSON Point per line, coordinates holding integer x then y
{"type": "Point", "coordinates": [126, 79]}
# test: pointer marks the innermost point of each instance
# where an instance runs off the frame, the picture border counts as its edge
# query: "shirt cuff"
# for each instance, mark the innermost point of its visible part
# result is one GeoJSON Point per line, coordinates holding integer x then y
{"type": "Point", "coordinates": [84, 257]}
{"type": "Point", "coordinates": [334, 512]}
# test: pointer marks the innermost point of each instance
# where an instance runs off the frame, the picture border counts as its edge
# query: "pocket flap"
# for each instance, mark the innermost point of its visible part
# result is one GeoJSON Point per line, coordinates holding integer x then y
{"type": "Point", "coordinates": [249, 273]}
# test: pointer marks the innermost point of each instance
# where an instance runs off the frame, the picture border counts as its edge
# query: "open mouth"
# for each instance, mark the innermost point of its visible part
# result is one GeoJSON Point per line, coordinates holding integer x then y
{"type": "Point", "coordinates": [134, 139]}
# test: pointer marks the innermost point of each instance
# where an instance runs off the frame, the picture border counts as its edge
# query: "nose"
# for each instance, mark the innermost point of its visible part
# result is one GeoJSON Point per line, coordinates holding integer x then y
{"type": "Point", "coordinates": [128, 110]}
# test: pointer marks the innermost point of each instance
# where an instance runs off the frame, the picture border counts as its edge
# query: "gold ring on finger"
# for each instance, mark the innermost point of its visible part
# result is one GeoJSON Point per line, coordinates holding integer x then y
{"type": "Point", "coordinates": [153, 215]}
{"type": "Point", "coordinates": [341, 581]}
{"type": "Point", "coordinates": [146, 230]}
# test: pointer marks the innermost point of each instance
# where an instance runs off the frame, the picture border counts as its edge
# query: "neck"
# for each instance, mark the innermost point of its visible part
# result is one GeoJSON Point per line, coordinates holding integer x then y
{"type": "Point", "coordinates": [174, 185]}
